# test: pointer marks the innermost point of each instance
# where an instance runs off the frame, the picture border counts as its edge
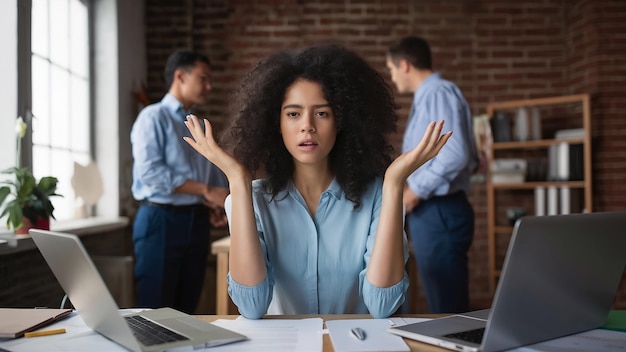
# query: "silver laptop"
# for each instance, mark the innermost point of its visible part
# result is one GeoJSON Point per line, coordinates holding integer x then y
{"type": "Point", "coordinates": [167, 328]}
{"type": "Point", "coordinates": [559, 277]}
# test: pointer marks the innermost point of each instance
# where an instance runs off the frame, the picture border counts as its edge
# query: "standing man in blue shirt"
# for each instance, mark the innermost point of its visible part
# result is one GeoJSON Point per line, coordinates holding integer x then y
{"type": "Point", "coordinates": [181, 193]}
{"type": "Point", "coordinates": [439, 215]}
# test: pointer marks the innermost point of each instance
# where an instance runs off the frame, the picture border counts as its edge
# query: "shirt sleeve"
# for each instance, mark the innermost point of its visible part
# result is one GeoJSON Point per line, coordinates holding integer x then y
{"type": "Point", "coordinates": [148, 139]}
{"type": "Point", "coordinates": [382, 302]}
{"type": "Point", "coordinates": [442, 104]}
{"type": "Point", "coordinates": [252, 301]}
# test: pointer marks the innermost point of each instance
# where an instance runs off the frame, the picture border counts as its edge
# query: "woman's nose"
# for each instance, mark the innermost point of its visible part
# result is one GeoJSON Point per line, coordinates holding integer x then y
{"type": "Point", "coordinates": [307, 124]}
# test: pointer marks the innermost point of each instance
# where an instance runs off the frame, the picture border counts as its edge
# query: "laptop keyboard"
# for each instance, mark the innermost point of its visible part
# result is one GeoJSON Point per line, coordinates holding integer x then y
{"type": "Point", "coordinates": [150, 333]}
{"type": "Point", "coordinates": [475, 335]}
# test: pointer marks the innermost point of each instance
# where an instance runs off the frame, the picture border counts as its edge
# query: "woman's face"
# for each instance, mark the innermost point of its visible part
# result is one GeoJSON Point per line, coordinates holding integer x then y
{"type": "Point", "coordinates": [307, 123]}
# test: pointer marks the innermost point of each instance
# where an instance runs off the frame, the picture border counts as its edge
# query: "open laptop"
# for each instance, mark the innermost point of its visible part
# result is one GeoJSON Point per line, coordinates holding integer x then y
{"type": "Point", "coordinates": [559, 277]}
{"type": "Point", "coordinates": [164, 328]}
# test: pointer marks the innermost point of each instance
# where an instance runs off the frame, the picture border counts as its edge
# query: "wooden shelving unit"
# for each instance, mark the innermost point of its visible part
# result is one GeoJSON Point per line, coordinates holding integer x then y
{"type": "Point", "coordinates": [580, 105]}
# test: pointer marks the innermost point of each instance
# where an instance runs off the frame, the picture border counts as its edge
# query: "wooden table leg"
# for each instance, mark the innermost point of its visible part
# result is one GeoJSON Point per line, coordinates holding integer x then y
{"type": "Point", "coordinates": [222, 286]}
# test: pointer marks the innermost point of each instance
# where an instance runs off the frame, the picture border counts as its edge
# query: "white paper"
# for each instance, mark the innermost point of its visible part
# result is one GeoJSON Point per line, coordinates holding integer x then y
{"type": "Point", "coordinates": [376, 336]}
{"type": "Point", "coordinates": [273, 335]}
{"type": "Point", "coordinates": [399, 321]}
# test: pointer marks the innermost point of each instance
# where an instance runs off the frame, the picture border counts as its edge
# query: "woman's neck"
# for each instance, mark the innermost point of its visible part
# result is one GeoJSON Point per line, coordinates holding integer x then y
{"type": "Point", "coordinates": [311, 182]}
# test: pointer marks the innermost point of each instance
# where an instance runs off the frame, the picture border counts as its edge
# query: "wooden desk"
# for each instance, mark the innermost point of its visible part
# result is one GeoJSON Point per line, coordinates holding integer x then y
{"type": "Point", "coordinates": [327, 344]}
{"type": "Point", "coordinates": [223, 304]}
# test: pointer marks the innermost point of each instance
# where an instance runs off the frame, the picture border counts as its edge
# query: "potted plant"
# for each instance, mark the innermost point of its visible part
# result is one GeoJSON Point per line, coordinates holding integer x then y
{"type": "Point", "coordinates": [24, 201]}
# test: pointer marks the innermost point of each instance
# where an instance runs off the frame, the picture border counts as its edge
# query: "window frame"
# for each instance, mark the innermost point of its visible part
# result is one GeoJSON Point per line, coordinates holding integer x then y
{"type": "Point", "coordinates": [24, 82]}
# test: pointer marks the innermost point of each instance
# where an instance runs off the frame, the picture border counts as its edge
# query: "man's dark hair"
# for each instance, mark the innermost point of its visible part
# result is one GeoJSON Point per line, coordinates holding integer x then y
{"type": "Point", "coordinates": [184, 59]}
{"type": "Point", "coordinates": [413, 49]}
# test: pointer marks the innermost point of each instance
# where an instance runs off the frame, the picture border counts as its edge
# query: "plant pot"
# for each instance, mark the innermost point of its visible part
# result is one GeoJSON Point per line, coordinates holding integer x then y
{"type": "Point", "coordinates": [42, 224]}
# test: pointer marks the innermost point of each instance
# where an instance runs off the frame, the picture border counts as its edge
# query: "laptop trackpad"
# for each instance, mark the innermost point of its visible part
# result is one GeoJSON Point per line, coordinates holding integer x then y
{"type": "Point", "coordinates": [195, 323]}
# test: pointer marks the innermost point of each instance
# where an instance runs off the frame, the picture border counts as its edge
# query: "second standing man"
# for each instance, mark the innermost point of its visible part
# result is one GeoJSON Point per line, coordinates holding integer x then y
{"type": "Point", "coordinates": [439, 215]}
{"type": "Point", "coordinates": [181, 193]}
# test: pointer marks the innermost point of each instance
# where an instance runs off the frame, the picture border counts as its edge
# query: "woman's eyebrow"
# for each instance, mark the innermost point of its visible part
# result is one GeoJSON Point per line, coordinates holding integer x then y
{"type": "Point", "coordinates": [296, 106]}
{"type": "Point", "coordinates": [292, 106]}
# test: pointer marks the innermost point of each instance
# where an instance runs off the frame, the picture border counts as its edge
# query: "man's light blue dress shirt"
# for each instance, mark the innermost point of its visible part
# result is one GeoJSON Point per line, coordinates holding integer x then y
{"type": "Point", "coordinates": [163, 160]}
{"type": "Point", "coordinates": [317, 265]}
{"type": "Point", "coordinates": [437, 99]}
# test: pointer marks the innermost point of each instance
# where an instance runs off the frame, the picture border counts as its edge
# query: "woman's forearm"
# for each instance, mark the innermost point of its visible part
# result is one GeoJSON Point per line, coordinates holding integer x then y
{"type": "Point", "coordinates": [246, 261]}
{"type": "Point", "coordinates": [386, 267]}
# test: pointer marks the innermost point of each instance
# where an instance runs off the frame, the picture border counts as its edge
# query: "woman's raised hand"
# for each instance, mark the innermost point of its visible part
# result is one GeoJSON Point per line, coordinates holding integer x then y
{"type": "Point", "coordinates": [428, 148]}
{"type": "Point", "coordinates": [203, 142]}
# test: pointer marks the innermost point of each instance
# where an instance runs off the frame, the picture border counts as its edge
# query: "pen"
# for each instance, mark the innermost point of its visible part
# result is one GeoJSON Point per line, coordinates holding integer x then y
{"type": "Point", "coordinates": [358, 333]}
{"type": "Point", "coordinates": [44, 332]}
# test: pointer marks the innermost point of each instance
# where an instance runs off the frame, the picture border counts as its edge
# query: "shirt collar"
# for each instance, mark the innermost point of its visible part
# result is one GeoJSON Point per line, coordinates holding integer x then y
{"type": "Point", "coordinates": [333, 189]}
{"type": "Point", "coordinates": [433, 77]}
{"type": "Point", "coordinates": [175, 106]}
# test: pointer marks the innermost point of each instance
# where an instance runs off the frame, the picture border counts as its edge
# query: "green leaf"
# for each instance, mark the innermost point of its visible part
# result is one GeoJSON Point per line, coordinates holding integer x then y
{"type": "Point", "coordinates": [48, 185]}
{"type": "Point", "coordinates": [15, 217]}
{"type": "Point", "coordinates": [4, 192]}
{"type": "Point", "coordinates": [28, 183]}
{"type": "Point", "coordinates": [30, 198]}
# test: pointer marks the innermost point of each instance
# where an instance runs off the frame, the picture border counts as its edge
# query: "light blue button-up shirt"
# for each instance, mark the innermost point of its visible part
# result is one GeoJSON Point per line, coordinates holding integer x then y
{"type": "Point", "coordinates": [317, 265]}
{"type": "Point", "coordinates": [437, 99]}
{"type": "Point", "coordinates": [162, 160]}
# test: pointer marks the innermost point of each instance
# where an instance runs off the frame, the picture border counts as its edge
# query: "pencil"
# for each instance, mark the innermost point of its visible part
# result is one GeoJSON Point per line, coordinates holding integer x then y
{"type": "Point", "coordinates": [44, 332]}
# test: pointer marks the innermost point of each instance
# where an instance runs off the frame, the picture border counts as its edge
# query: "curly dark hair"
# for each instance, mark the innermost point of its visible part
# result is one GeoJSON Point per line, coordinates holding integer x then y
{"type": "Point", "coordinates": [361, 100]}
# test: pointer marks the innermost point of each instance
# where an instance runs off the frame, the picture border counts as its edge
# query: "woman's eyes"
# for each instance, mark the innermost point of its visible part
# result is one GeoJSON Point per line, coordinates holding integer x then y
{"type": "Point", "coordinates": [323, 114]}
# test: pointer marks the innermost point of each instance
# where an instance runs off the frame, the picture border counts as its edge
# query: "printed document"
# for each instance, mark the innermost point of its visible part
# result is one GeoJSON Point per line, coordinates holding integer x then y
{"type": "Point", "coordinates": [273, 335]}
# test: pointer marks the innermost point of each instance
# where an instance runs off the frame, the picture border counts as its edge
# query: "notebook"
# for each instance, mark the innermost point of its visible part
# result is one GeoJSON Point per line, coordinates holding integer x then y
{"type": "Point", "coordinates": [559, 277]}
{"type": "Point", "coordinates": [14, 322]}
{"type": "Point", "coordinates": [162, 328]}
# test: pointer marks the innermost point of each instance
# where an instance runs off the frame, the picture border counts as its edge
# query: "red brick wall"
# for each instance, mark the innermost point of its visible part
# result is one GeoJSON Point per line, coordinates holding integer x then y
{"type": "Point", "coordinates": [494, 50]}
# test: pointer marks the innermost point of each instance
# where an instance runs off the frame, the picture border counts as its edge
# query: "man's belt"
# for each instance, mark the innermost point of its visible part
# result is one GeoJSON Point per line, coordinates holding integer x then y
{"type": "Point", "coordinates": [190, 208]}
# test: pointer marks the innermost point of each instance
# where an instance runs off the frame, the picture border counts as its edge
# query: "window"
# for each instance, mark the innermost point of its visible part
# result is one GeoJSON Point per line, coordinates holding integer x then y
{"type": "Point", "coordinates": [60, 94]}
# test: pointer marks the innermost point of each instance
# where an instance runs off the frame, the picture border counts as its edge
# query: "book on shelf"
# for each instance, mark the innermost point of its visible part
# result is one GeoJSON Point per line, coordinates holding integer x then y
{"type": "Point", "coordinates": [569, 134]}
{"type": "Point", "coordinates": [527, 124]}
{"type": "Point", "coordinates": [501, 127]}
{"type": "Point", "coordinates": [553, 201]}
{"type": "Point", "coordinates": [540, 201]}
{"type": "Point", "coordinates": [508, 170]}
{"type": "Point", "coordinates": [565, 200]}
{"type": "Point", "coordinates": [566, 162]}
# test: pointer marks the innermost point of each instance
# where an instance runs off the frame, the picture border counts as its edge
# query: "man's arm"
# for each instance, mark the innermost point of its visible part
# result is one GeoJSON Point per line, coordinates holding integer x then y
{"type": "Point", "coordinates": [442, 170]}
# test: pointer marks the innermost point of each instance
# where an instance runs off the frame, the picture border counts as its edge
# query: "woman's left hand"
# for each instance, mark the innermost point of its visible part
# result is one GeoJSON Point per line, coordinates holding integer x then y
{"type": "Point", "coordinates": [428, 148]}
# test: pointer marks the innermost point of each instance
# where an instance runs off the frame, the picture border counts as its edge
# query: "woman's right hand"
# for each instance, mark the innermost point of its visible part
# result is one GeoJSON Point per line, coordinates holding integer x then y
{"type": "Point", "coordinates": [203, 142]}
{"type": "Point", "coordinates": [430, 145]}
{"type": "Point", "coordinates": [246, 261]}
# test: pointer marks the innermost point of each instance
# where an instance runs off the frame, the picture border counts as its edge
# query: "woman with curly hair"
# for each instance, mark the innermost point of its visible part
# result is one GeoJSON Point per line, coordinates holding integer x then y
{"type": "Point", "coordinates": [322, 231]}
